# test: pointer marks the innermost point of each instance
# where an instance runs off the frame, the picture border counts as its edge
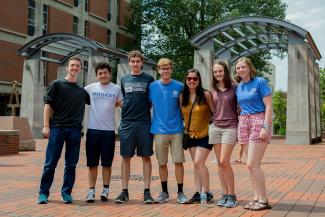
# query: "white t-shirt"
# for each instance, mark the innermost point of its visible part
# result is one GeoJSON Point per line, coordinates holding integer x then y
{"type": "Point", "coordinates": [103, 100]}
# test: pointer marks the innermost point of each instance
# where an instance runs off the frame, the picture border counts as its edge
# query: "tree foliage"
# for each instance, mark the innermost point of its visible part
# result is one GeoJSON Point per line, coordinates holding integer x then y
{"type": "Point", "coordinates": [168, 25]}
{"type": "Point", "coordinates": [279, 111]}
{"type": "Point", "coordinates": [322, 96]}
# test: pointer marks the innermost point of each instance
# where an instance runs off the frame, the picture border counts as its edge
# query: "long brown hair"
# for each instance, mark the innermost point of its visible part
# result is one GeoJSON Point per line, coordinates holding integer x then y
{"type": "Point", "coordinates": [226, 77]}
{"type": "Point", "coordinates": [249, 63]}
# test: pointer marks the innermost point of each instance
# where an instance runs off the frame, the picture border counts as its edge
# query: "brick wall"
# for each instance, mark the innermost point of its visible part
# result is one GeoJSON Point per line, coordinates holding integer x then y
{"type": "Point", "coordinates": [59, 21]}
{"type": "Point", "coordinates": [9, 141]}
{"type": "Point", "coordinates": [99, 8]}
{"type": "Point", "coordinates": [123, 12]}
{"type": "Point", "coordinates": [11, 64]}
{"type": "Point", "coordinates": [14, 15]}
{"type": "Point", "coordinates": [97, 33]}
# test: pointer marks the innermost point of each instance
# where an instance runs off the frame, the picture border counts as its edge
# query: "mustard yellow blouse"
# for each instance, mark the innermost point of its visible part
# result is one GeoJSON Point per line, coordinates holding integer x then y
{"type": "Point", "coordinates": [200, 119]}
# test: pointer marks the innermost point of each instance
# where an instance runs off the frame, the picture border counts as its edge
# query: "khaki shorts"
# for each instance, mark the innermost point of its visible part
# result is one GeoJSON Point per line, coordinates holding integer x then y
{"type": "Point", "coordinates": [219, 135]}
{"type": "Point", "coordinates": [162, 144]}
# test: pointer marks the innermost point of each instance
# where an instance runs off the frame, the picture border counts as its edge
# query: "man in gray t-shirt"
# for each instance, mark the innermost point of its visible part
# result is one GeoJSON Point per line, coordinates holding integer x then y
{"type": "Point", "coordinates": [135, 125]}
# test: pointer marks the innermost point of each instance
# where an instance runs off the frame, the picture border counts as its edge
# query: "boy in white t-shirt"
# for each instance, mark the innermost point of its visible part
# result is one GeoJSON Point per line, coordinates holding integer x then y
{"type": "Point", "coordinates": [100, 141]}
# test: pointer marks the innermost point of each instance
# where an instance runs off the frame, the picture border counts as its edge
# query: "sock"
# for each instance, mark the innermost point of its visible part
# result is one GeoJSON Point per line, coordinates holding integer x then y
{"type": "Point", "coordinates": [146, 190]}
{"type": "Point", "coordinates": [126, 190]}
{"type": "Point", "coordinates": [180, 187]}
{"type": "Point", "coordinates": [164, 186]}
{"type": "Point", "coordinates": [92, 188]}
{"type": "Point", "coordinates": [106, 186]}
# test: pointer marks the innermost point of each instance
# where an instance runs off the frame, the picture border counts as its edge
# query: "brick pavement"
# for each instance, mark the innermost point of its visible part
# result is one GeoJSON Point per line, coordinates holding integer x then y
{"type": "Point", "coordinates": [295, 177]}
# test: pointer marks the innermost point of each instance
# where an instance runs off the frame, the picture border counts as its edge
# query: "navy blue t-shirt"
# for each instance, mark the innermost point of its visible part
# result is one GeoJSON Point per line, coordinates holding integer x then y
{"type": "Point", "coordinates": [136, 104]}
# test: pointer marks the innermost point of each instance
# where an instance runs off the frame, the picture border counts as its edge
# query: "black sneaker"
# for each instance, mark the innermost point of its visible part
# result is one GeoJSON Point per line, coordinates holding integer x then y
{"type": "Point", "coordinates": [209, 197]}
{"type": "Point", "coordinates": [195, 198]}
{"type": "Point", "coordinates": [147, 199]}
{"type": "Point", "coordinates": [123, 197]}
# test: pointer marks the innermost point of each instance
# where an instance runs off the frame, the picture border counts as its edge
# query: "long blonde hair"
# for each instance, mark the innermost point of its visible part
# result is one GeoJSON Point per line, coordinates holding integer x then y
{"type": "Point", "coordinates": [250, 65]}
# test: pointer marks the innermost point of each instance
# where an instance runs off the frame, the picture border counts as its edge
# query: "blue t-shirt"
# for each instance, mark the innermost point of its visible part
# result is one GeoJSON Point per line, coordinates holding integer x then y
{"type": "Point", "coordinates": [250, 95]}
{"type": "Point", "coordinates": [166, 111]}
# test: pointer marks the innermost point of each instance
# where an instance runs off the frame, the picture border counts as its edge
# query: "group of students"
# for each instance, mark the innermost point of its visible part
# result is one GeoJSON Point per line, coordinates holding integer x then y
{"type": "Point", "coordinates": [231, 111]}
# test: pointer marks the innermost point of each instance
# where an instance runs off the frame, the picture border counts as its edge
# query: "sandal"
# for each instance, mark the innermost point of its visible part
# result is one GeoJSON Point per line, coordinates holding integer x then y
{"type": "Point", "coordinates": [260, 206]}
{"type": "Point", "coordinates": [250, 204]}
{"type": "Point", "coordinates": [237, 161]}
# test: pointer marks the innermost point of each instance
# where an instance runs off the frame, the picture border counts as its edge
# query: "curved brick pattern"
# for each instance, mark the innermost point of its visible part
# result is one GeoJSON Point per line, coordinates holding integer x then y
{"type": "Point", "coordinates": [294, 178]}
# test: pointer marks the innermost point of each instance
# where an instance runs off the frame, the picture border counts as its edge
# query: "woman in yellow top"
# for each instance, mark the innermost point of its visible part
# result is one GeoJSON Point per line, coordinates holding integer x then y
{"type": "Point", "coordinates": [193, 93]}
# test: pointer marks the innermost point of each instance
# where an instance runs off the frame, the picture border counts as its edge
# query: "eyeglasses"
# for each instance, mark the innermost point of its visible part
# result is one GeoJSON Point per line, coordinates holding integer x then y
{"type": "Point", "coordinates": [192, 78]}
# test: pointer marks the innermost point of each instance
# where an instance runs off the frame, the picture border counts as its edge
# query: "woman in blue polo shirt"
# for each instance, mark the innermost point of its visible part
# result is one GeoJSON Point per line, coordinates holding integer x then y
{"type": "Point", "coordinates": [254, 98]}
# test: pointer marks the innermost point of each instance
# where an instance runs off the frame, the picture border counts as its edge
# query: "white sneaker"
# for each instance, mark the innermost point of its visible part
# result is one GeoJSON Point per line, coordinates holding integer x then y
{"type": "Point", "coordinates": [104, 195]}
{"type": "Point", "coordinates": [91, 195]}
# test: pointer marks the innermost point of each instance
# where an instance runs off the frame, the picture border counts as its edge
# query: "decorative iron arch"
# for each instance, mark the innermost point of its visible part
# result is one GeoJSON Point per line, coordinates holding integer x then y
{"type": "Point", "coordinates": [247, 35]}
{"type": "Point", "coordinates": [64, 46]}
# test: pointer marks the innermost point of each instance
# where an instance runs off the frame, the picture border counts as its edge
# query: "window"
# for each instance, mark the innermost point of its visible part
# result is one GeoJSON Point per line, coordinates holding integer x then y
{"type": "Point", "coordinates": [75, 24]}
{"type": "Point", "coordinates": [108, 40]}
{"type": "Point", "coordinates": [86, 29]}
{"type": "Point", "coordinates": [76, 3]}
{"type": "Point", "coordinates": [31, 17]}
{"type": "Point", "coordinates": [86, 5]}
{"type": "Point", "coordinates": [109, 5]}
{"type": "Point", "coordinates": [45, 19]}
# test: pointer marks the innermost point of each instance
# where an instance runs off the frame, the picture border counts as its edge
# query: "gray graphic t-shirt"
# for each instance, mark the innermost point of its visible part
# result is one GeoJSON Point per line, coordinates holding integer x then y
{"type": "Point", "coordinates": [136, 105]}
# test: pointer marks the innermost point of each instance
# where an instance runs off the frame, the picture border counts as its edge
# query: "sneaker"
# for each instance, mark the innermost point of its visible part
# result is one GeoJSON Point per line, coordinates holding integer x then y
{"type": "Point", "coordinates": [181, 198]}
{"type": "Point", "coordinates": [147, 199]}
{"type": "Point", "coordinates": [209, 197]}
{"type": "Point", "coordinates": [123, 197]}
{"type": "Point", "coordinates": [231, 201]}
{"type": "Point", "coordinates": [195, 198]}
{"type": "Point", "coordinates": [67, 198]}
{"type": "Point", "coordinates": [204, 199]}
{"type": "Point", "coordinates": [42, 199]}
{"type": "Point", "coordinates": [104, 195]}
{"type": "Point", "coordinates": [223, 200]}
{"type": "Point", "coordinates": [90, 195]}
{"type": "Point", "coordinates": [163, 197]}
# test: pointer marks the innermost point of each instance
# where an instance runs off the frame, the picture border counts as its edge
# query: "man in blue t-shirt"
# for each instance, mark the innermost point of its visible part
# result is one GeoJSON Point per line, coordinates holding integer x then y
{"type": "Point", "coordinates": [167, 127]}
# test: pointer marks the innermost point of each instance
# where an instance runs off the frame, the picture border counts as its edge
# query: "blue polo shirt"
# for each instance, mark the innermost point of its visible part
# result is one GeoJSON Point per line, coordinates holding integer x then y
{"type": "Point", "coordinates": [250, 95]}
{"type": "Point", "coordinates": [166, 110]}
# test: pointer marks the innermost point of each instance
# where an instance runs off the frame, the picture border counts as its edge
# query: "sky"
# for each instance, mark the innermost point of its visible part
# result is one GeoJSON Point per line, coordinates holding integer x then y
{"type": "Point", "coordinates": [309, 15]}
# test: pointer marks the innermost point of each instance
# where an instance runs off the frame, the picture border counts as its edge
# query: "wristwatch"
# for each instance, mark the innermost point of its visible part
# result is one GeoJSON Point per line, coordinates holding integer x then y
{"type": "Point", "coordinates": [265, 126]}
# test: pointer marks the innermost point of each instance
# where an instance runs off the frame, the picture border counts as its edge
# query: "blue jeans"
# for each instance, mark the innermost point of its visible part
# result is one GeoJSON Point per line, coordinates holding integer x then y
{"type": "Point", "coordinates": [59, 135]}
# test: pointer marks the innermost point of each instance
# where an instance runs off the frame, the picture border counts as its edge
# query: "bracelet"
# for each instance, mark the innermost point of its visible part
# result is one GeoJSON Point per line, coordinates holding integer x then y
{"type": "Point", "coordinates": [265, 126]}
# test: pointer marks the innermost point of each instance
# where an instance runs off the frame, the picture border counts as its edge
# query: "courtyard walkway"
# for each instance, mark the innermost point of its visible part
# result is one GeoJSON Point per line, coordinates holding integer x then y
{"type": "Point", "coordinates": [295, 176]}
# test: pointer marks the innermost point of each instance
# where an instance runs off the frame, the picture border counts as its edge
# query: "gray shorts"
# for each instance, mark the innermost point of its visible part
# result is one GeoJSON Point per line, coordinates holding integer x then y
{"type": "Point", "coordinates": [219, 135]}
{"type": "Point", "coordinates": [135, 136]}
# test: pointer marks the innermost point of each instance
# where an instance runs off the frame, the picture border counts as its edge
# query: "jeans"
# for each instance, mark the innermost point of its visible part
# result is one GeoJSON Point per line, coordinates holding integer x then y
{"type": "Point", "coordinates": [59, 135]}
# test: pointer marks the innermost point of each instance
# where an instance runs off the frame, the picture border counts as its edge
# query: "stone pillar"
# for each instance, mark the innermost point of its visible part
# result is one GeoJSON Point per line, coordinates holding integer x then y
{"type": "Point", "coordinates": [33, 90]}
{"type": "Point", "coordinates": [226, 56]}
{"type": "Point", "coordinates": [203, 61]}
{"type": "Point", "coordinates": [312, 111]}
{"type": "Point", "coordinates": [298, 119]}
{"type": "Point", "coordinates": [317, 103]}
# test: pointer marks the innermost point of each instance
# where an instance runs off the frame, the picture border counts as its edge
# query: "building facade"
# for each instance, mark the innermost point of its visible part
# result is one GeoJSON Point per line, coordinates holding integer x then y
{"type": "Point", "coordinates": [103, 21]}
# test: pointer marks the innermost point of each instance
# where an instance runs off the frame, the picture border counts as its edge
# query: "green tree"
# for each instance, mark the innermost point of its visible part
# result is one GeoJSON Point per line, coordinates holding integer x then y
{"type": "Point", "coordinates": [322, 96]}
{"type": "Point", "coordinates": [279, 110]}
{"type": "Point", "coordinates": [168, 25]}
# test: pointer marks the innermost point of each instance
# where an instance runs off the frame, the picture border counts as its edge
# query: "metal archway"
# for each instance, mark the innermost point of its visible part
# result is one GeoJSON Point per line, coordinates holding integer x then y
{"type": "Point", "coordinates": [244, 36]}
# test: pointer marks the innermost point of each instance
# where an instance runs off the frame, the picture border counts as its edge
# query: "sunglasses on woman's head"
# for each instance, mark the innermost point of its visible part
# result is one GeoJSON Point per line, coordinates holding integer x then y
{"type": "Point", "coordinates": [192, 78]}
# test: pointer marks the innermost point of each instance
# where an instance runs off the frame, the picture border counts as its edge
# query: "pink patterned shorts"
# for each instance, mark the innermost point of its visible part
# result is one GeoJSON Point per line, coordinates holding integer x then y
{"type": "Point", "coordinates": [249, 128]}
